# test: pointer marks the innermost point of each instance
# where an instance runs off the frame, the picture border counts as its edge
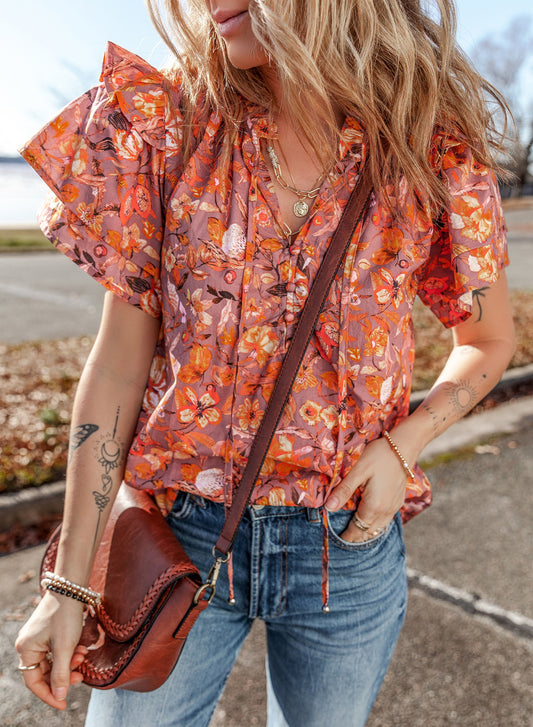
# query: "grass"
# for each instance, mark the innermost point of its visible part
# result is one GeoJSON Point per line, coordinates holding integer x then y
{"type": "Point", "coordinates": [23, 240]}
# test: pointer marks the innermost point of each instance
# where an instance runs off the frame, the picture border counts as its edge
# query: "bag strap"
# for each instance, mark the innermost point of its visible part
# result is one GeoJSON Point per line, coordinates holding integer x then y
{"type": "Point", "coordinates": [350, 219]}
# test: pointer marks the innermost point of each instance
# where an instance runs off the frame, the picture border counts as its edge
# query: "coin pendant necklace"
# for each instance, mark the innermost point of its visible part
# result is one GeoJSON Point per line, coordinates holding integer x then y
{"type": "Point", "coordinates": [301, 206]}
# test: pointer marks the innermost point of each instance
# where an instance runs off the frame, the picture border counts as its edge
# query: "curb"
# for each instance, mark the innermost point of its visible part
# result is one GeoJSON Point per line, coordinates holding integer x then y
{"type": "Point", "coordinates": [29, 506]}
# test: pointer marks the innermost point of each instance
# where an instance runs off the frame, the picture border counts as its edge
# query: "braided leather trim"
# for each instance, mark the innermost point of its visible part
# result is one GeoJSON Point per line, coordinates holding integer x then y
{"type": "Point", "coordinates": [97, 676]}
{"type": "Point", "coordinates": [125, 631]}
{"type": "Point", "coordinates": [108, 676]}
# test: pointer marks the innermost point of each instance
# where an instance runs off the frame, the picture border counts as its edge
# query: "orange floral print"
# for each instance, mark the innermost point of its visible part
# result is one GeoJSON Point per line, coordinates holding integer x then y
{"type": "Point", "coordinates": [387, 289]}
{"type": "Point", "coordinates": [249, 415]}
{"type": "Point", "coordinates": [260, 343]}
{"type": "Point", "coordinates": [198, 409]}
{"type": "Point", "coordinates": [310, 412]}
{"type": "Point", "coordinates": [212, 263]}
{"type": "Point", "coordinates": [473, 221]}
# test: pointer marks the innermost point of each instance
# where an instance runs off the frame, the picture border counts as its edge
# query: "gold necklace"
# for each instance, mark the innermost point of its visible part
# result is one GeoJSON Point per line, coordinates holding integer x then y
{"type": "Point", "coordinates": [300, 207]}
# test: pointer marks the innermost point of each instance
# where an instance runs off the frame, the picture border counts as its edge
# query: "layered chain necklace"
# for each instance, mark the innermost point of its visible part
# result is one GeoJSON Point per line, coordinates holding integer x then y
{"type": "Point", "coordinates": [301, 206]}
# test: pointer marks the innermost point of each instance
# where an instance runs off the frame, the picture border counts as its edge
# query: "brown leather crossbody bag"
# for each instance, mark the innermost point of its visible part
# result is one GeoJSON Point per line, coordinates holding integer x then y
{"type": "Point", "coordinates": [151, 591]}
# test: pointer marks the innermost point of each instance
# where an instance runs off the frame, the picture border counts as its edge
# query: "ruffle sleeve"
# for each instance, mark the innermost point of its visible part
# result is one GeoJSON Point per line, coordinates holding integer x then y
{"type": "Point", "coordinates": [111, 159]}
{"type": "Point", "coordinates": [468, 246]}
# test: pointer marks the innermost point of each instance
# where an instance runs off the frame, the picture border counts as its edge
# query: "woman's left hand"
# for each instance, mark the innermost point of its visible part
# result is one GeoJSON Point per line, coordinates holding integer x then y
{"type": "Point", "coordinates": [382, 479]}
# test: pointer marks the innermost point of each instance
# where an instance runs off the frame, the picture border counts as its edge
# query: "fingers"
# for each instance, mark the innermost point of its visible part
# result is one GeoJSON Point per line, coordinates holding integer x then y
{"type": "Point", "coordinates": [77, 660]}
{"type": "Point", "coordinates": [49, 640]}
{"type": "Point", "coordinates": [359, 530]}
{"type": "Point", "coordinates": [340, 495]}
{"type": "Point", "coordinates": [381, 480]}
{"type": "Point", "coordinates": [39, 680]}
{"type": "Point", "coordinates": [60, 675]}
{"type": "Point", "coordinates": [379, 503]}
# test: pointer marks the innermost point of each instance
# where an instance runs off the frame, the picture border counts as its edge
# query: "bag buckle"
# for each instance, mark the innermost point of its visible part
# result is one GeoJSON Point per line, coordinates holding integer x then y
{"type": "Point", "coordinates": [212, 577]}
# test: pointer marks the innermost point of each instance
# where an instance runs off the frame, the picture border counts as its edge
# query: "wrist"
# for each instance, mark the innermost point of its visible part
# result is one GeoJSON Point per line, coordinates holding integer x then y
{"type": "Point", "coordinates": [410, 440]}
{"type": "Point", "coordinates": [53, 602]}
{"type": "Point", "coordinates": [74, 561]}
{"type": "Point", "coordinates": [399, 456]}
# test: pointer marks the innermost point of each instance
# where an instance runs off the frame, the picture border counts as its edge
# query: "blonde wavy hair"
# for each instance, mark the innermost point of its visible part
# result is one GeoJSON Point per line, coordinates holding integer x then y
{"type": "Point", "coordinates": [393, 64]}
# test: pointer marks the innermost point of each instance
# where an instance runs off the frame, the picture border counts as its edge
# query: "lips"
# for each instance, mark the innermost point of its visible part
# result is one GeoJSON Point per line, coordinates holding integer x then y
{"type": "Point", "coordinates": [229, 21]}
{"type": "Point", "coordinates": [220, 16]}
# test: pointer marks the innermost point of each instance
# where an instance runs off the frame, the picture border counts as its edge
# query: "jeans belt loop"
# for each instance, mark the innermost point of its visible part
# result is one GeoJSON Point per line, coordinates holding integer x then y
{"type": "Point", "coordinates": [313, 514]}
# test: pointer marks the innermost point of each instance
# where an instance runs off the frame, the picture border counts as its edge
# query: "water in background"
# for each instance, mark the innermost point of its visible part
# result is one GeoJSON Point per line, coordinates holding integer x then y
{"type": "Point", "coordinates": [22, 193]}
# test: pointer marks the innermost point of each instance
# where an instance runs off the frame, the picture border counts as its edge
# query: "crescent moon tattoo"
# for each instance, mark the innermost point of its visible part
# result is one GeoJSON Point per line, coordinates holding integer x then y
{"type": "Point", "coordinates": [110, 455]}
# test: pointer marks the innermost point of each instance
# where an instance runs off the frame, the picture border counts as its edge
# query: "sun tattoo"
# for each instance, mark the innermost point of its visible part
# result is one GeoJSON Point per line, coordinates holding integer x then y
{"type": "Point", "coordinates": [462, 395]}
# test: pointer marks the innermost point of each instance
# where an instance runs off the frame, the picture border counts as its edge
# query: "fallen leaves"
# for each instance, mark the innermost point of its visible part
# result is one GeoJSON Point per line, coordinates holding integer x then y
{"type": "Point", "coordinates": [25, 536]}
{"type": "Point", "coordinates": [27, 576]}
{"type": "Point", "coordinates": [37, 386]}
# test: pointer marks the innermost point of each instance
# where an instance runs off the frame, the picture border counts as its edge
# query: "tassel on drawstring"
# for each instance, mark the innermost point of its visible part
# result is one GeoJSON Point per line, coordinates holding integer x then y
{"type": "Point", "coordinates": [325, 562]}
{"type": "Point", "coordinates": [231, 599]}
{"type": "Point", "coordinates": [335, 479]}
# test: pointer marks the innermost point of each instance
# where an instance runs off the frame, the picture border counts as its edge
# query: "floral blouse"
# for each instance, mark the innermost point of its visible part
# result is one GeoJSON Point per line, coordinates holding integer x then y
{"type": "Point", "coordinates": [201, 246]}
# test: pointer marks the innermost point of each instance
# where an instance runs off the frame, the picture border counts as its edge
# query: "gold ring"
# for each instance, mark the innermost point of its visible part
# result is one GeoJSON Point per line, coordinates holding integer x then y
{"type": "Point", "coordinates": [377, 532]}
{"type": "Point", "coordinates": [360, 523]}
{"type": "Point", "coordinates": [21, 667]}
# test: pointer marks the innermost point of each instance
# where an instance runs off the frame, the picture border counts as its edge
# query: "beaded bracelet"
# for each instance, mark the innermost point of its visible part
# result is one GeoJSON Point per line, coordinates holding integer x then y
{"type": "Point", "coordinates": [59, 584]}
{"type": "Point", "coordinates": [400, 456]}
{"type": "Point", "coordinates": [70, 593]}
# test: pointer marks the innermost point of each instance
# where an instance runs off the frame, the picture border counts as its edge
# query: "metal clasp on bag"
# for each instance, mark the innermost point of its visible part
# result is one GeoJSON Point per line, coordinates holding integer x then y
{"type": "Point", "coordinates": [212, 577]}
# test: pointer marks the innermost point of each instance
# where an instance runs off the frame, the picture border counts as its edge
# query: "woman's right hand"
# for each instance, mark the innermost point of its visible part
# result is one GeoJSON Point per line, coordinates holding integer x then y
{"type": "Point", "coordinates": [50, 637]}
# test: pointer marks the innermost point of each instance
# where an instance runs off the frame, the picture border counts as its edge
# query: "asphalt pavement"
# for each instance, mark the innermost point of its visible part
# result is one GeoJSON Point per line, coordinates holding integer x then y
{"type": "Point", "coordinates": [465, 656]}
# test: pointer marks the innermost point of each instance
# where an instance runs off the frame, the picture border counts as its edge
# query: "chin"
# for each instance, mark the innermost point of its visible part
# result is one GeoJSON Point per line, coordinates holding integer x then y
{"type": "Point", "coordinates": [244, 58]}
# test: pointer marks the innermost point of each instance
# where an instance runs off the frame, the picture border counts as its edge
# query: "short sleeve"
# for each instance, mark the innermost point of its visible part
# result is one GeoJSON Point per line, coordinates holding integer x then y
{"type": "Point", "coordinates": [111, 158]}
{"type": "Point", "coordinates": [468, 245]}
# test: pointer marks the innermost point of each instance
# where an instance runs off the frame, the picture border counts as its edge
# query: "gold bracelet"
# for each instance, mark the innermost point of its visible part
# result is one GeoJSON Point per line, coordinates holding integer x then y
{"type": "Point", "coordinates": [400, 456]}
{"type": "Point", "coordinates": [59, 584]}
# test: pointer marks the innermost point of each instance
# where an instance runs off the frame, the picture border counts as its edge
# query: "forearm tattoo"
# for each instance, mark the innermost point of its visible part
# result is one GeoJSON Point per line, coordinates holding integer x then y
{"type": "Point", "coordinates": [110, 454]}
{"type": "Point", "coordinates": [437, 423]}
{"type": "Point", "coordinates": [461, 395]}
{"type": "Point", "coordinates": [477, 297]}
{"type": "Point", "coordinates": [78, 436]}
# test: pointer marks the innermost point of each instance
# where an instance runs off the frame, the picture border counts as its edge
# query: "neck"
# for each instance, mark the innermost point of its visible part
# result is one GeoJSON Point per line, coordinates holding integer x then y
{"type": "Point", "coordinates": [279, 113]}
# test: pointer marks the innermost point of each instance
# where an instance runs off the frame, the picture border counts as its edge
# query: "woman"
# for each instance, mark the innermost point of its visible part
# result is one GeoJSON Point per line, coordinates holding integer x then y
{"type": "Point", "coordinates": [203, 200]}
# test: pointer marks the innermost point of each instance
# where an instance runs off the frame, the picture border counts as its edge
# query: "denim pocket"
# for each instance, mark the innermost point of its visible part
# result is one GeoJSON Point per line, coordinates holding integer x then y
{"type": "Point", "coordinates": [339, 521]}
{"type": "Point", "coordinates": [182, 507]}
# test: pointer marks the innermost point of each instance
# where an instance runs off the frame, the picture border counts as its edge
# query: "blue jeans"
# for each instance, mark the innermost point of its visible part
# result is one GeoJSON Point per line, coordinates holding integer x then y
{"type": "Point", "coordinates": [323, 668]}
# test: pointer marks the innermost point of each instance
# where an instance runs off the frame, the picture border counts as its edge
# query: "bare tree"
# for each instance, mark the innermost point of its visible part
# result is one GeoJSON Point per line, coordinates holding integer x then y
{"type": "Point", "coordinates": [504, 59]}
